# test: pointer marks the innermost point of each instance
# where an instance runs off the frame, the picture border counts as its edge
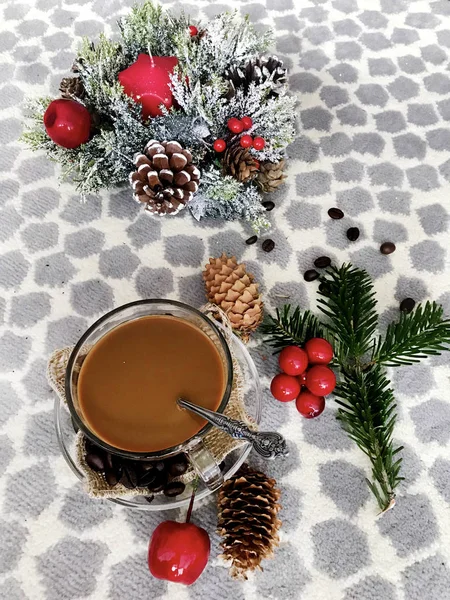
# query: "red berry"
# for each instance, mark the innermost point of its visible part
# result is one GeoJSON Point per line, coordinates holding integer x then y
{"type": "Point", "coordinates": [284, 387]}
{"type": "Point", "coordinates": [246, 141]}
{"type": "Point", "coordinates": [178, 552]}
{"type": "Point", "coordinates": [235, 125]}
{"type": "Point", "coordinates": [259, 143]}
{"type": "Point", "coordinates": [320, 352]}
{"type": "Point", "coordinates": [67, 123]}
{"type": "Point", "coordinates": [293, 360]}
{"type": "Point", "coordinates": [320, 380]}
{"type": "Point", "coordinates": [246, 122]}
{"type": "Point", "coordinates": [193, 30]}
{"type": "Point", "coordinates": [219, 145]}
{"type": "Point", "coordinates": [309, 405]}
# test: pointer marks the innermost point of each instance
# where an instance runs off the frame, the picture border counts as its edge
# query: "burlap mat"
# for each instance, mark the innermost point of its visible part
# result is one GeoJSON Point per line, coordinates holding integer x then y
{"type": "Point", "coordinates": [218, 443]}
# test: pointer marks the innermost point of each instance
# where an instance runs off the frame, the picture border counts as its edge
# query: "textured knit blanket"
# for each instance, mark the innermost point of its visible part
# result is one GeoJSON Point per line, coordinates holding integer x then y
{"type": "Point", "coordinates": [373, 81]}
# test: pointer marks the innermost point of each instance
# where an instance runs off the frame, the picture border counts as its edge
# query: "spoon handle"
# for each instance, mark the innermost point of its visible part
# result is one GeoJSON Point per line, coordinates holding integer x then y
{"type": "Point", "coordinates": [267, 444]}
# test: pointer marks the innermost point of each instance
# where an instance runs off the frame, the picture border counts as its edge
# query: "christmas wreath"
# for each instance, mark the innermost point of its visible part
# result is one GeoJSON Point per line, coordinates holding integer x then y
{"type": "Point", "coordinates": [191, 115]}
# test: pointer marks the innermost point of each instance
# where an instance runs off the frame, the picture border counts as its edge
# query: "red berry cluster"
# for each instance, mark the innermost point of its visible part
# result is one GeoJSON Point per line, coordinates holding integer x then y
{"type": "Point", "coordinates": [238, 126]}
{"type": "Point", "coordinates": [305, 378]}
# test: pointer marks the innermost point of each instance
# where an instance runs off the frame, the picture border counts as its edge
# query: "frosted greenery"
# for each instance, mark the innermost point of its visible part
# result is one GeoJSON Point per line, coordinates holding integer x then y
{"type": "Point", "coordinates": [202, 108]}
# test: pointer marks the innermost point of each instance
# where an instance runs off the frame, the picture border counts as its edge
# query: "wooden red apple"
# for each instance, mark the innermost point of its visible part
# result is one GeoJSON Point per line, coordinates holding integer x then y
{"type": "Point", "coordinates": [67, 123]}
{"type": "Point", "coordinates": [148, 82]}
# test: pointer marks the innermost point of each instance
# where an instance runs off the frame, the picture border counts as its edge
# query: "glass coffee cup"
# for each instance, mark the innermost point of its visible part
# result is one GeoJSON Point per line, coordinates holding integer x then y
{"type": "Point", "coordinates": [200, 458]}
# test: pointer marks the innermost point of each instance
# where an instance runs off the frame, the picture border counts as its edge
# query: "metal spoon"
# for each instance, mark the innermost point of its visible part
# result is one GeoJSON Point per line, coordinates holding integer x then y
{"type": "Point", "coordinates": [267, 444]}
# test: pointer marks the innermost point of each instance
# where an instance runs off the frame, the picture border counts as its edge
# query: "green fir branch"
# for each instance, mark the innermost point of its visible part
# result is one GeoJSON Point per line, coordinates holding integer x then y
{"type": "Point", "coordinates": [347, 298]}
{"type": "Point", "coordinates": [367, 413]}
{"type": "Point", "coordinates": [416, 335]}
{"type": "Point", "coordinates": [291, 328]}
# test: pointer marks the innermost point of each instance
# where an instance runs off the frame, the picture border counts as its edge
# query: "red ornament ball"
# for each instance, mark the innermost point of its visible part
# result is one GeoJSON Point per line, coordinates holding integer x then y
{"type": "Point", "coordinates": [320, 380]}
{"type": "Point", "coordinates": [247, 122]}
{"type": "Point", "coordinates": [284, 387]}
{"type": "Point", "coordinates": [293, 360]}
{"type": "Point", "coordinates": [235, 125]}
{"type": "Point", "coordinates": [147, 81]}
{"type": "Point", "coordinates": [193, 30]}
{"type": "Point", "coordinates": [259, 143]}
{"type": "Point", "coordinates": [219, 145]}
{"type": "Point", "coordinates": [320, 352]}
{"type": "Point", "coordinates": [67, 123]}
{"type": "Point", "coordinates": [178, 552]}
{"type": "Point", "coordinates": [309, 405]}
{"type": "Point", "coordinates": [246, 141]}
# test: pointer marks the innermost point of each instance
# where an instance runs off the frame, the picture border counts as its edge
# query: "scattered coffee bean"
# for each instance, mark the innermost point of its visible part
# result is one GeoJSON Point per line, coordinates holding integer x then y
{"type": "Point", "coordinates": [178, 465]}
{"type": "Point", "coordinates": [387, 248]}
{"type": "Point", "coordinates": [322, 262]}
{"type": "Point", "coordinates": [310, 275]}
{"type": "Point", "coordinates": [353, 234]}
{"type": "Point", "coordinates": [336, 213]}
{"type": "Point", "coordinates": [129, 477]}
{"type": "Point", "coordinates": [407, 305]}
{"type": "Point", "coordinates": [251, 240]}
{"type": "Point", "coordinates": [147, 466]}
{"type": "Point", "coordinates": [149, 499]}
{"type": "Point", "coordinates": [95, 461]}
{"type": "Point", "coordinates": [108, 462]}
{"type": "Point", "coordinates": [268, 245]}
{"type": "Point", "coordinates": [159, 484]}
{"type": "Point", "coordinates": [111, 477]}
{"type": "Point", "coordinates": [322, 287]}
{"type": "Point", "coordinates": [174, 488]}
{"type": "Point", "coordinates": [269, 205]}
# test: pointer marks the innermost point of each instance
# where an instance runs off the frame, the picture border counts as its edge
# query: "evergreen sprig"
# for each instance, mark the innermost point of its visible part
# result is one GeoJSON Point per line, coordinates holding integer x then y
{"type": "Point", "coordinates": [367, 408]}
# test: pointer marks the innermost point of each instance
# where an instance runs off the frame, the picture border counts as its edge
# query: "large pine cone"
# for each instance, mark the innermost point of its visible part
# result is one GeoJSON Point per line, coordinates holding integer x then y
{"type": "Point", "coordinates": [165, 179]}
{"type": "Point", "coordinates": [257, 71]}
{"type": "Point", "coordinates": [231, 288]}
{"type": "Point", "coordinates": [270, 176]}
{"type": "Point", "coordinates": [248, 520]}
{"type": "Point", "coordinates": [72, 87]}
{"type": "Point", "coordinates": [239, 163]}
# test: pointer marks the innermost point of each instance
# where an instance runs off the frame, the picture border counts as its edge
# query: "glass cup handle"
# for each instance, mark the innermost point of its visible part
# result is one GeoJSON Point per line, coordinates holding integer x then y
{"type": "Point", "coordinates": [204, 464]}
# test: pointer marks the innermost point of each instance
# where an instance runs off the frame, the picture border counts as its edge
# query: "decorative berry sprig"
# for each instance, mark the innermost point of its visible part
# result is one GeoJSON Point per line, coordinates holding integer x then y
{"type": "Point", "coordinates": [237, 126]}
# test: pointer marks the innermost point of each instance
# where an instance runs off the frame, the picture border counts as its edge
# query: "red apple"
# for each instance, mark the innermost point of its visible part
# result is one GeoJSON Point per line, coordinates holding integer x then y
{"type": "Point", "coordinates": [178, 552]}
{"type": "Point", "coordinates": [67, 123]}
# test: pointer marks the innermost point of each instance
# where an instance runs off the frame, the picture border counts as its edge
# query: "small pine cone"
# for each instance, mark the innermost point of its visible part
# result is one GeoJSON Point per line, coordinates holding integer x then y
{"type": "Point", "coordinates": [257, 71]}
{"type": "Point", "coordinates": [248, 520]}
{"type": "Point", "coordinates": [72, 87]}
{"type": "Point", "coordinates": [239, 163]}
{"type": "Point", "coordinates": [270, 176]}
{"type": "Point", "coordinates": [165, 179]}
{"type": "Point", "coordinates": [231, 288]}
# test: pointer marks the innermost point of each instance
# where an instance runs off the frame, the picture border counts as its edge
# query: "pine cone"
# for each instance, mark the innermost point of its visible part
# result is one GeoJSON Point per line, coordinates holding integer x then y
{"type": "Point", "coordinates": [239, 163]}
{"type": "Point", "coordinates": [165, 179]}
{"type": "Point", "coordinates": [248, 520]}
{"type": "Point", "coordinates": [231, 288]}
{"type": "Point", "coordinates": [72, 87]}
{"type": "Point", "coordinates": [270, 176]}
{"type": "Point", "coordinates": [257, 71]}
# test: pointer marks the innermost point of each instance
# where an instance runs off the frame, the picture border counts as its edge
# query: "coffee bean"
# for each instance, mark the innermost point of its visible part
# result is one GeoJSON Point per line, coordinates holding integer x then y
{"type": "Point", "coordinates": [159, 484]}
{"type": "Point", "coordinates": [174, 488]}
{"type": "Point", "coordinates": [178, 465]}
{"type": "Point", "coordinates": [310, 275]}
{"type": "Point", "coordinates": [148, 477]}
{"type": "Point", "coordinates": [160, 465]}
{"type": "Point", "coordinates": [108, 461]}
{"type": "Point", "coordinates": [322, 287]}
{"type": "Point", "coordinates": [268, 245]}
{"type": "Point", "coordinates": [336, 213]}
{"type": "Point", "coordinates": [111, 477]}
{"type": "Point", "coordinates": [353, 234]}
{"type": "Point", "coordinates": [251, 240]}
{"type": "Point", "coordinates": [387, 248]}
{"type": "Point", "coordinates": [149, 499]}
{"type": "Point", "coordinates": [222, 466]}
{"type": "Point", "coordinates": [147, 465]}
{"type": "Point", "coordinates": [407, 305]}
{"type": "Point", "coordinates": [95, 461]}
{"type": "Point", "coordinates": [129, 477]}
{"type": "Point", "coordinates": [322, 262]}
{"type": "Point", "coordinates": [269, 205]}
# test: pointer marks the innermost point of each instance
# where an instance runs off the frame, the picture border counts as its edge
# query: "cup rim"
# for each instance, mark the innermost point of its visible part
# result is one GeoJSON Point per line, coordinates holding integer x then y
{"type": "Point", "coordinates": [167, 452]}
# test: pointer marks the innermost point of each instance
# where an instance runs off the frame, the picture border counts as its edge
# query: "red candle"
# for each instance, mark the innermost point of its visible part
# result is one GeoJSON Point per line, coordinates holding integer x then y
{"type": "Point", "coordinates": [147, 81]}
